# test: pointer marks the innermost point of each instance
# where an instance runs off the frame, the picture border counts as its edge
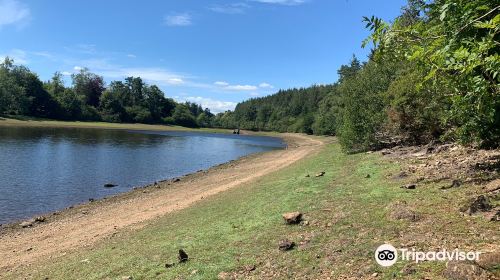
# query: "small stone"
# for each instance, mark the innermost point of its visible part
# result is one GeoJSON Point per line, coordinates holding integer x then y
{"type": "Point", "coordinates": [292, 217]}
{"type": "Point", "coordinates": [26, 224]}
{"type": "Point", "coordinates": [176, 180]}
{"type": "Point", "coordinates": [110, 185]}
{"type": "Point", "coordinates": [91, 200]}
{"type": "Point", "coordinates": [307, 176]}
{"type": "Point", "coordinates": [194, 272]}
{"type": "Point", "coordinates": [375, 274]}
{"type": "Point", "coordinates": [409, 187]}
{"type": "Point", "coordinates": [169, 265]}
{"type": "Point", "coordinates": [367, 176]}
{"type": "Point", "coordinates": [183, 256]}
{"type": "Point", "coordinates": [40, 219]}
{"type": "Point", "coordinates": [320, 174]}
{"type": "Point", "coordinates": [285, 245]}
{"type": "Point", "coordinates": [29, 249]}
{"type": "Point", "coordinates": [127, 278]}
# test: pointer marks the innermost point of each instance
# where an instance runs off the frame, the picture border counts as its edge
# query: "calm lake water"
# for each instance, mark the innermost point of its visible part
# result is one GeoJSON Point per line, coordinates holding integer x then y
{"type": "Point", "coordinates": [47, 169]}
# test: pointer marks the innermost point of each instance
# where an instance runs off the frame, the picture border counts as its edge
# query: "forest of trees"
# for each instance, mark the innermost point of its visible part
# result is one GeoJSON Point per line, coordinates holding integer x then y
{"type": "Point", "coordinates": [432, 74]}
{"type": "Point", "coordinates": [88, 99]}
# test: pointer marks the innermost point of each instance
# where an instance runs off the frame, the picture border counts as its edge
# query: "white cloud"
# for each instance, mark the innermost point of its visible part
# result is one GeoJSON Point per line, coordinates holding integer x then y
{"type": "Point", "coordinates": [265, 85]}
{"type": "Point", "coordinates": [241, 87]}
{"type": "Point", "coordinates": [233, 8]}
{"type": "Point", "coordinates": [282, 2]}
{"type": "Point", "coordinates": [215, 106]}
{"type": "Point", "coordinates": [19, 56]}
{"type": "Point", "coordinates": [77, 68]}
{"type": "Point", "coordinates": [178, 20]}
{"type": "Point", "coordinates": [13, 12]}
{"type": "Point", "coordinates": [131, 55]}
{"type": "Point", "coordinates": [254, 94]}
{"type": "Point", "coordinates": [43, 54]}
{"type": "Point", "coordinates": [226, 86]}
{"type": "Point", "coordinates": [154, 75]}
{"type": "Point", "coordinates": [221, 83]}
{"type": "Point", "coordinates": [66, 73]}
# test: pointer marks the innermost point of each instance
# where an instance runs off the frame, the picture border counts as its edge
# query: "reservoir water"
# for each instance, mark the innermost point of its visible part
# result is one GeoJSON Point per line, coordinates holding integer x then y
{"type": "Point", "coordinates": [48, 169]}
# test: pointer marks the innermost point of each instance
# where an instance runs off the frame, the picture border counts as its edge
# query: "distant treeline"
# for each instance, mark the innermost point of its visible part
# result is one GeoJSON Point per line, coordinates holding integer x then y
{"type": "Point", "coordinates": [432, 74]}
{"type": "Point", "coordinates": [88, 99]}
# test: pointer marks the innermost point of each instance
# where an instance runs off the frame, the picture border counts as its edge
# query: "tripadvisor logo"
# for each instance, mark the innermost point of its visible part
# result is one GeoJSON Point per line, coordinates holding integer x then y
{"type": "Point", "coordinates": [387, 255]}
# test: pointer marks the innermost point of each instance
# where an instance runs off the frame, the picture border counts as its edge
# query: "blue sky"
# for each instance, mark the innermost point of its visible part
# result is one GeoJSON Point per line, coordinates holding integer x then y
{"type": "Point", "coordinates": [213, 52]}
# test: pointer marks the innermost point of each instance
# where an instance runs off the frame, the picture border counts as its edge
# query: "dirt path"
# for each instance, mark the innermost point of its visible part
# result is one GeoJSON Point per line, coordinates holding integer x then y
{"type": "Point", "coordinates": [84, 225]}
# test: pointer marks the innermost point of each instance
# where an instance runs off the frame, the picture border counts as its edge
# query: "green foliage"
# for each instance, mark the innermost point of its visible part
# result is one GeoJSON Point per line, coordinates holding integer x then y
{"type": "Point", "coordinates": [361, 113]}
{"type": "Point", "coordinates": [22, 93]}
{"type": "Point", "coordinates": [456, 41]}
{"type": "Point", "coordinates": [286, 111]}
{"type": "Point", "coordinates": [182, 116]}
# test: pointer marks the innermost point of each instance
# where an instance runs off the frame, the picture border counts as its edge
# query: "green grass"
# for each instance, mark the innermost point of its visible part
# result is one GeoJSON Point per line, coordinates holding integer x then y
{"type": "Point", "coordinates": [348, 218]}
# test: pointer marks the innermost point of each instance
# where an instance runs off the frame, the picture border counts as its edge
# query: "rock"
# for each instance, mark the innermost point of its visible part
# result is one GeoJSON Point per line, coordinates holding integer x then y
{"type": "Point", "coordinates": [292, 217]}
{"type": "Point", "coordinates": [480, 204]}
{"type": "Point", "coordinates": [375, 274]}
{"type": "Point", "coordinates": [409, 186]}
{"type": "Point", "coordinates": [27, 224]}
{"type": "Point", "coordinates": [127, 278]}
{"type": "Point", "coordinates": [110, 185]}
{"type": "Point", "coordinates": [320, 174]}
{"type": "Point", "coordinates": [367, 176]}
{"type": "Point", "coordinates": [91, 200]}
{"type": "Point", "coordinates": [40, 219]}
{"type": "Point", "coordinates": [462, 270]}
{"type": "Point", "coordinates": [176, 180]}
{"type": "Point", "coordinates": [169, 265]}
{"type": "Point", "coordinates": [285, 245]}
{"type": "Point", "coordinates": [307, 176]}
{"type": "Point", "coordinates": [183, 256]}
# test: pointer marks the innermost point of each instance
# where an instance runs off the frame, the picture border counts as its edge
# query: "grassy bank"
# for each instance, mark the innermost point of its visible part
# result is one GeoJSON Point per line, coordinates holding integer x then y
{"type": "Point", "coordinates": [33, 122]}
{"type": "Point", "coordinates": [347, 213]}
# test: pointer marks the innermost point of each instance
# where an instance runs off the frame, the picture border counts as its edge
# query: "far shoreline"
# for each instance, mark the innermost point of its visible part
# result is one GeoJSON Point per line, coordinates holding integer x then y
{"type": "Point", "coordinates": [33, 122]}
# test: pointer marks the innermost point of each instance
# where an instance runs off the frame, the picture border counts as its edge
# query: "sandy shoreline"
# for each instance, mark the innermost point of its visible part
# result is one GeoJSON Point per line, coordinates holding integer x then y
{"type": "Point", "coordinates": [84, 225]}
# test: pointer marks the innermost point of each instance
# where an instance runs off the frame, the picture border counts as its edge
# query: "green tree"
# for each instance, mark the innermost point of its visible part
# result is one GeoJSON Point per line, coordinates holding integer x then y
{"type": "Point", "coordinates": [88, 85]}
{"type": "Point", "coordinates": [183, 116]}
